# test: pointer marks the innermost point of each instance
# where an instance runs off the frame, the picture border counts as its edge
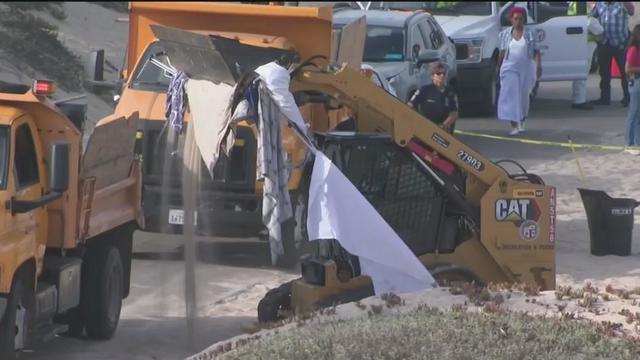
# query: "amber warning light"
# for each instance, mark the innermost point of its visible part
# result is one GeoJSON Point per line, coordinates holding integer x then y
{"type": "Point", "coordinates": [43, 87]}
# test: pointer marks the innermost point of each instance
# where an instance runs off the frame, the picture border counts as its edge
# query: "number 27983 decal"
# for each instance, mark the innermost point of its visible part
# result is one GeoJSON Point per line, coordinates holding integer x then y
{"type": "Point", "coordinates": [469, 159]}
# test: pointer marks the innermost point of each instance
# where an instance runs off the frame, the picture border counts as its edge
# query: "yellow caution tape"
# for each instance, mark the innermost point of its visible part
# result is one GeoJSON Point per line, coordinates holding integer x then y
{"type": "Point", "coordinates": [548, 143]}
{"type": "Point", "coordinates": [575, 155]}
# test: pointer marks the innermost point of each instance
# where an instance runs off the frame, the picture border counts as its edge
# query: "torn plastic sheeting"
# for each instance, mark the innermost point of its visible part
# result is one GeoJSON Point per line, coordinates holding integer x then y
{"type": "Point", "coordinates": [208, 104]}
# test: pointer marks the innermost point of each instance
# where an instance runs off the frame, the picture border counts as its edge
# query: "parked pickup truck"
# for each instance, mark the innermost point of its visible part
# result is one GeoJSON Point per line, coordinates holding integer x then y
{"type": "Point", "coordinates": [474, 27]}
{"type": "Point", "coordinates": [67, 221]}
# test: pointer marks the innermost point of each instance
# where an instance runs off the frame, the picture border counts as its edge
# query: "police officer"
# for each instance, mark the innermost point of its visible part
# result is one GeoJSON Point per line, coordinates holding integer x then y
{"type": "Point", "coordinates": [437, 101]}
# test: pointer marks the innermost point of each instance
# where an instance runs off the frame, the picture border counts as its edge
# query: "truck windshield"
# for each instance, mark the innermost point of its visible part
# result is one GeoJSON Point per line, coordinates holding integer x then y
{"type": "Point", "coordinates": [153, 71]}
{"type": "Point", "coordinates": [480, 8]}
{"type": "Point", "coordinates": [382, 44]}
{"type": "Point", "coordinates": [4, 155]}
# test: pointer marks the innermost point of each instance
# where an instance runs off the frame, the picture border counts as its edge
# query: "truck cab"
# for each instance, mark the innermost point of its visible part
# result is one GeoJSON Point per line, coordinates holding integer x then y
{"type": "Point", "coordinates": [230, 202]}
{"type": "Point", "coordinates": [67, 222]}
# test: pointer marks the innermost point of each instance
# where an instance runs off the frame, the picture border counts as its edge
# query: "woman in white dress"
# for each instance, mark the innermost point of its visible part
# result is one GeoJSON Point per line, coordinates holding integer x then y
{"type": "Point", "coordinates": [519, 68]}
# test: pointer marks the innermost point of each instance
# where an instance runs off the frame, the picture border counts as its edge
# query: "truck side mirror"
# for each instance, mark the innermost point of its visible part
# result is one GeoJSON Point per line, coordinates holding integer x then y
{"type": "Point", "coordinates": [59, 167]}
{"type": "Point", "coordinates": [94, 72]}
{"type": "Point", "coordinates": [428, 56]}
{"type": "Point", "coordinates": [94, 65]}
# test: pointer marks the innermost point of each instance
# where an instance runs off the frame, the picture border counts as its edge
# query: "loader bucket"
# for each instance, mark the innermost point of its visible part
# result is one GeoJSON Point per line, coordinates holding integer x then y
{"type": "Point", "coordinates": [215, 58]}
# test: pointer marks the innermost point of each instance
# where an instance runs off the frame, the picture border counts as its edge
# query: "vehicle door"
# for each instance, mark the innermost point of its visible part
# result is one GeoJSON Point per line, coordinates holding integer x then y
{"type": "Point", "coordinates": [419, 73]}
{"type": "Point", "coordinates": [30, 227]}
{"type": "Point", "coordinates": [562, 40]}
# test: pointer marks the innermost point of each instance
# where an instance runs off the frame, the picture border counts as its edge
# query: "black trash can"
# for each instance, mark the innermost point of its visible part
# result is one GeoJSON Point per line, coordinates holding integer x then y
{"type": "Point", "coordinates": [610, 222]}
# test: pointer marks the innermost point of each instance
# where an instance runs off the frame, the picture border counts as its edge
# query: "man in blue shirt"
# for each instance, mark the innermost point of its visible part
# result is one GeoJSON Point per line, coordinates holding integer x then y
{"type": "Point", "coordinates": [613, 18]}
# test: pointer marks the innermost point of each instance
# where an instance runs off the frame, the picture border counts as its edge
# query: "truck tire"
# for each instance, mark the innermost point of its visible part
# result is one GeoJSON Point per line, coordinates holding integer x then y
{"type": "Point", "coordinates": [9, 327]}
{"type": "Point", "coordinates": [102, 293]}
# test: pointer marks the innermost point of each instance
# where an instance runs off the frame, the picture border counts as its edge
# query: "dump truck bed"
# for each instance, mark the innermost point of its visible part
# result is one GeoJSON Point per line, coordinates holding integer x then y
{"type": "Point", "coordinates": [110, 178]}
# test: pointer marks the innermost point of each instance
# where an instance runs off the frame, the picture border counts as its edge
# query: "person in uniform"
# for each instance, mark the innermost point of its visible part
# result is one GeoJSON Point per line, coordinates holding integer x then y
{"type": "Point", "coordinates": [437, 101]}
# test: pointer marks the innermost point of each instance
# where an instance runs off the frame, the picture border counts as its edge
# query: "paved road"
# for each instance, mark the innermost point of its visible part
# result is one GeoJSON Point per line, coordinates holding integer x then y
{"type": "Point", "coordinates": [231, 276]}
{"type": "Point", "coordinates": [153, 325]}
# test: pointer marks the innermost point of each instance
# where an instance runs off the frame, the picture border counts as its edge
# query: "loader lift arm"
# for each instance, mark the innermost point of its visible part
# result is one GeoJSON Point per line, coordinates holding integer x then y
{"type": "Point", "coordinates": [375, 111]}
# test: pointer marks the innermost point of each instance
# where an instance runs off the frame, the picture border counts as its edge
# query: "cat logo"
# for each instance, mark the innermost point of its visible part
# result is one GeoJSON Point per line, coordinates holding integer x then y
{"type": "Point", "coordinates": [516, 210]}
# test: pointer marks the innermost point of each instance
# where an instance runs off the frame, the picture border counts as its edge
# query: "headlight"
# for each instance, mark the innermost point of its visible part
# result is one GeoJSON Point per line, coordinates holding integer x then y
{"type": "Point", "coordinates": [469, 50]}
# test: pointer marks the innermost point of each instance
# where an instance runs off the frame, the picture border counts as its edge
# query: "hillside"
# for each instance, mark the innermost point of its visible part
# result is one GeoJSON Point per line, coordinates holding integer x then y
{"type": "Point", "coordinates": [28, 49]}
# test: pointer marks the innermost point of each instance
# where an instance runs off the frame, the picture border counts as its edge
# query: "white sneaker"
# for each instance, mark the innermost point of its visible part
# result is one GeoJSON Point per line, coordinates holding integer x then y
{"type": "Point", "coordinates": [632, 151]}
{"type": "Point", "coordinates": [514, 131]}
{"type": "Point", "coordinates": [521, 126]}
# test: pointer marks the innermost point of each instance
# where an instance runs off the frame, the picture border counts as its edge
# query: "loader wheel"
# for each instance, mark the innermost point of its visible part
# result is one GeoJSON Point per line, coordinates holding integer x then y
{"type": "Point", "coordinates": [103, 292]}
{"type": "Point", "coordinates": [14, 326]}
{"type": "Point", "coordinates": [275, 304]}
{"type": "Point", "coordinates": [447, 275]}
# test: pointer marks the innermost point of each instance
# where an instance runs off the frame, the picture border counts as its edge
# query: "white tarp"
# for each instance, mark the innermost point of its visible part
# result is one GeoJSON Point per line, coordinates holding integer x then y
{"type": "Point", "coordinates": [337, 210]}
{"type": "Point", "coordinates": [208, 103]}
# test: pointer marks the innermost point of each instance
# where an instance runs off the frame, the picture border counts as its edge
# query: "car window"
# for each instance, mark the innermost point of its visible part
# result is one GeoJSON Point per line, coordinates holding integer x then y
{"type": "Point", "coordinates": [433, 33]}
{"type": "Point", "coordinates": [4, 155]}
{"type": "Point", "coordinates": [548, 10]}
{"type": "Point", "coordinates": [417, 42]}
{"type": "Point", "coordinates": [384, 44]}
{"type": "Point", "coordinates": [26, 161]}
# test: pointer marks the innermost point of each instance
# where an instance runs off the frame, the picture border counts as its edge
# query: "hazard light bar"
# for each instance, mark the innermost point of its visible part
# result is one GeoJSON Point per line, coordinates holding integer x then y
{"type": "Point", "coordinates": [43, 87]}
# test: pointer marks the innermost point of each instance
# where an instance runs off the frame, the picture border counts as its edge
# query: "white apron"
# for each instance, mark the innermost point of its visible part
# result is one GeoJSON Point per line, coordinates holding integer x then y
{"type": "Point", "coordinates": [517, 78]}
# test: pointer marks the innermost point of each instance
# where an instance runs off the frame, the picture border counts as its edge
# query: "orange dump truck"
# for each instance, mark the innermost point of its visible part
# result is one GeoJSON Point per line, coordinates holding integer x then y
{"type": "Point", "coordinates": [231, 202]}
{"type": "Point", "coordinates": [68, 219]}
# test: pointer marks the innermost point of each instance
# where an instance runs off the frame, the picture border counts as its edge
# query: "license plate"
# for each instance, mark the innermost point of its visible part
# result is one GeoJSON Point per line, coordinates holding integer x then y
{"type": "Point", "coordinates": [176, 217]}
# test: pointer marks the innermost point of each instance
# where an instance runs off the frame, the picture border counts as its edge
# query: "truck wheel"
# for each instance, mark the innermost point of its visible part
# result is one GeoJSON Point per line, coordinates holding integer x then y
{"type": "Point", "coordinates": [14, 327]}
{"type": "Point", "coordinates": [103, 292]}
